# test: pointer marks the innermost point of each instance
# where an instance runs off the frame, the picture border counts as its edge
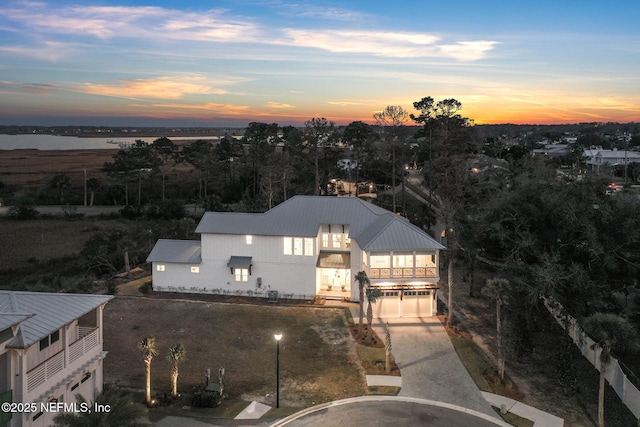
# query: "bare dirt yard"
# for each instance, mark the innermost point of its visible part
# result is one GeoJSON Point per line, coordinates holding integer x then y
{"type": "Point", "coordinates": [318, 362]}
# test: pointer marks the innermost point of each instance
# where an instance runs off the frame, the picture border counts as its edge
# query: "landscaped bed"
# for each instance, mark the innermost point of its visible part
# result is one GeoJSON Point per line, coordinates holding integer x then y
{"type": "Point", "coordinates": [318, 362]}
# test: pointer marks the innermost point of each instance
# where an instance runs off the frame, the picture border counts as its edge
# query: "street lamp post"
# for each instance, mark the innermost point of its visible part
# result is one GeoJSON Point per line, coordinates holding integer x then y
{"type": "Point", "coordinates": [278, 337]}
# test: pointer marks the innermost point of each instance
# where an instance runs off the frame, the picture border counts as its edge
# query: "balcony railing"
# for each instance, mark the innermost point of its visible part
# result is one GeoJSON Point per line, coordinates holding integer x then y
{"type": "Point", "coordinates": [402, 273]}
{"type": "Point", "coordinates": [88, 340]}
{"type": "Point", "coordinates": [40, 374]}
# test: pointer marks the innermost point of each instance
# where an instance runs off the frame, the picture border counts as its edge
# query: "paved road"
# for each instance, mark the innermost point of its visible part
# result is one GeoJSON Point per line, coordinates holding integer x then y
{"type": "Point", "coordinates": [391, 411]}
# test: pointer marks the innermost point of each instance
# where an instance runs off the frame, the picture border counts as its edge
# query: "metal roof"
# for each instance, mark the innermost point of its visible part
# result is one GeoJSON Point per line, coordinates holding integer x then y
{"type": "Point", "coordinates": [371, 226]}
{"type": "Point", "coordinates": [391, 234]}
{"type": "Point", "coordinates": [298, 216]}
{"type": "Point", "coordinates": [8, 320]}
{"type": "Point", "coordinates": [180, 251]}
{"type": "Point", "coordinates": [239, 262]}
{"type": "Point", "coordinates": [49, 312]}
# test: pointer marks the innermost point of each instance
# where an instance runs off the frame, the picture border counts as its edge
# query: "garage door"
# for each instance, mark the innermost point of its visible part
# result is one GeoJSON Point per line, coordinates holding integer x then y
{"type": "Point", "coordinates": [398, 303]}
{"type": "Point", "coordinates": [417, 304]}
{"type": "Point", "coordinates": [388, 305]}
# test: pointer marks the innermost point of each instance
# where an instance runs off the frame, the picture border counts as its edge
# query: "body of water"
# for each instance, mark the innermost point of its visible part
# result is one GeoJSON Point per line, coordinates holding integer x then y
{"type": "Point", "coordinates": [54, 142]}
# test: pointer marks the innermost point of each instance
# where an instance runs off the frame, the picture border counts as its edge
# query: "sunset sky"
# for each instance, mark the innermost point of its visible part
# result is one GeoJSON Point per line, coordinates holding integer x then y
{"type": "Point", "coordinates": [227, 63]}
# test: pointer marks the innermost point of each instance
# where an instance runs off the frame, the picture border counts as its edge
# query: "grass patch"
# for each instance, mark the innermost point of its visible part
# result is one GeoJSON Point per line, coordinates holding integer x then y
{"type": "Point", "coordinates": [379, 390]}
{"type": "Point", "coordinates": [474, 359]}
{"type": "Point", "coordinates": [515, 420]}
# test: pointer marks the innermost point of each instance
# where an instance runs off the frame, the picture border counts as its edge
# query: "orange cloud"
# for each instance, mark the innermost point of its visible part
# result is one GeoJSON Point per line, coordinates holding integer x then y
{"type": "Point", "coordinates": [163, 88]}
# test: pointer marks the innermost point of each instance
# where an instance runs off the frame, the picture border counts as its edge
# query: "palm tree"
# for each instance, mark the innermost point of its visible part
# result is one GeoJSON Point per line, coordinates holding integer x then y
{"type": "Point", "coordinates": [372, 294]}
{"type": "Point", "coordinates": [363, 282]}
{"type": "Point", "coordinates": [387, 348]}
{"type": "Point", "coordinates": [149, 351]}
{"type": "Point", "coordinates": [122, 411]}
{"type": "Point", "coordinates": [176, 355]}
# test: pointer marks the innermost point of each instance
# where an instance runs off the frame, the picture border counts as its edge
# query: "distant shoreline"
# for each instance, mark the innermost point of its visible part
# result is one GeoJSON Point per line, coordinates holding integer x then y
{"type": "Point", "coordinates": [120, 132]}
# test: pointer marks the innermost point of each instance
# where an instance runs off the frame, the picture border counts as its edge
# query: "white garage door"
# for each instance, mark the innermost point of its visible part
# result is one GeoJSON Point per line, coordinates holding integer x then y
{"type": "Point", "coordinates": [398, 303]}
{"type": "Point", "coordinates": [417, 303]}
{"type": "Point", "coordinates": [388, 305]}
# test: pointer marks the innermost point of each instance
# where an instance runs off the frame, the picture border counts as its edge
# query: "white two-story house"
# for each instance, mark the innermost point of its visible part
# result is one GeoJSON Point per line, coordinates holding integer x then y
{"type": "Point", "coordinates": [305, 247]}
{"type": "Point", "coordinates": [50, 351]}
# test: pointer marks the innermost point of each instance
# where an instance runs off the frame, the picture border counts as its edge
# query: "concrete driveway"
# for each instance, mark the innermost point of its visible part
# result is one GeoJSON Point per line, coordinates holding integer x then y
{"type": "Point", "coordinates": [429, 364]}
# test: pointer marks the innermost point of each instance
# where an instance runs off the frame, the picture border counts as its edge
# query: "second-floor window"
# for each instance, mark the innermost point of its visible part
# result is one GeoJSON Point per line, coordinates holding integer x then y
{"type": "Point", "coordinates": [47, 341]}
{"type": "Point", "coordinates": [335, 236]}
{"type": "Point", "coordinates": [298, 246]}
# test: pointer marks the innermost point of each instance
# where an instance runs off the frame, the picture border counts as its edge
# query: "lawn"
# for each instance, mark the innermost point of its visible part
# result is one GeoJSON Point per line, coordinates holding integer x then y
{"type": "Point", "coordinates": [317, 358]}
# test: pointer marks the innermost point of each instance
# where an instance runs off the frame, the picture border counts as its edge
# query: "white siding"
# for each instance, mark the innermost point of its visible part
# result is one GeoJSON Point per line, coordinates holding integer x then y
{"type": "Point", "coordinates": [287, 274]}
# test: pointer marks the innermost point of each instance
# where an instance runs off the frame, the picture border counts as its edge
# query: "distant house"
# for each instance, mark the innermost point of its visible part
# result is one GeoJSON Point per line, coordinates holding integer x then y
{"type": "Point", "coordinates": [306, 247]}
{"type": "Point", "coordinates": [596, 158]}
{"type": "Point", "coordinates": [553, 150]}
{"type": "Point", "coordinates": [50, 351]}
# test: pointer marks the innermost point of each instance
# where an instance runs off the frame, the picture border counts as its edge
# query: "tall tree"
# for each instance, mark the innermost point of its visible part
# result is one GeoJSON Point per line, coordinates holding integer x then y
{"type": "Point", "coordinates": [449, 152]}
{"type": "Point", "coordinates": [61, 182]}
{"type": "Point", "coordinates": [261, 139]}
{"type": "Point", "coordinates": [228, 152]}
{"type": "Point", "coordinates": [165, 149]}
{"type": "Point", "coordinates": [148, 348]}
{"type": "Point", "coordinates": [392, 119]}
{"type": "Point", "coordinates": [359, 136]}
{"type": "Point", "coordinates": [320, 136]}
{"type": "Point", "coordinates": [203, 157]}
{"type": "Point", "coordinates": [177, 354]}
{"type": "Point", "coordinates": [134, 162]}
{"type": "Point", "coordinates": [448, 139]}
{"type": "Point", "coordinates": [292, 156]}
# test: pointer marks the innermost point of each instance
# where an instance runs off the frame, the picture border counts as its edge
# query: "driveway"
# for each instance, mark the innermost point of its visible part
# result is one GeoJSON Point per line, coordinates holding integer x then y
{"type": "Point", "coordinates": [429, 365]}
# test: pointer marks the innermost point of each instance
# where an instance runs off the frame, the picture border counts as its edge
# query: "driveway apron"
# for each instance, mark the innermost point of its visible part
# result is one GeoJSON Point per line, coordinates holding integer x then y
{"type": "Point", "coordinates": [429, 365]}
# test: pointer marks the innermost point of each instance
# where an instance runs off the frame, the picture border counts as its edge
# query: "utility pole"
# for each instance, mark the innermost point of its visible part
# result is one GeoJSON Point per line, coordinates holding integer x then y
{"type": "Point", "coordinates": [85, 186]}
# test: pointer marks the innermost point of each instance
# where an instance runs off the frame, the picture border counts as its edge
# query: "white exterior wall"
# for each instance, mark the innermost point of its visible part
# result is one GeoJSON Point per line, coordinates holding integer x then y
{"type": "Point", "coordinates": [287, 274]}
{"type": "Point", "coordinates": [176, 275]}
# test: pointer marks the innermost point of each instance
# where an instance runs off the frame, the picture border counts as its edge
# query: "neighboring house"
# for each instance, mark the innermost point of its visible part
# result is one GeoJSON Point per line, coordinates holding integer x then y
{"type": "Point", "coordinates": [50, 351]}
{"type": "Point", "coordinates": [306, 247]}
{"type": "Point", "coordinates": [595, 158]}
{"type": "Point", "coordinates": [553, 150]}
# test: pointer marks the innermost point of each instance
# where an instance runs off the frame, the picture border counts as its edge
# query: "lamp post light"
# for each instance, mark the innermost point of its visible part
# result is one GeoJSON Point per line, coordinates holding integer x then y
{"type": "Point", "coordinates": [278, 337]}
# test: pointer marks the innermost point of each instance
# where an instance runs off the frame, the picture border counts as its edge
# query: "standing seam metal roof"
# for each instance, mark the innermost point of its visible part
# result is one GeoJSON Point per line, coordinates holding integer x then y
{"type": "Point", "coordinates": [49, 311]}
{"type": "Point", "coordinates": [180, 251]}
{"type": "Point", "coordinates": [371, 226]}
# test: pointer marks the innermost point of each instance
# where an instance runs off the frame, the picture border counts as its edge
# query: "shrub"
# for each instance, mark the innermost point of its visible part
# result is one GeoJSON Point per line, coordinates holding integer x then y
{"type": "Point", "coordinates": [204, 398]}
